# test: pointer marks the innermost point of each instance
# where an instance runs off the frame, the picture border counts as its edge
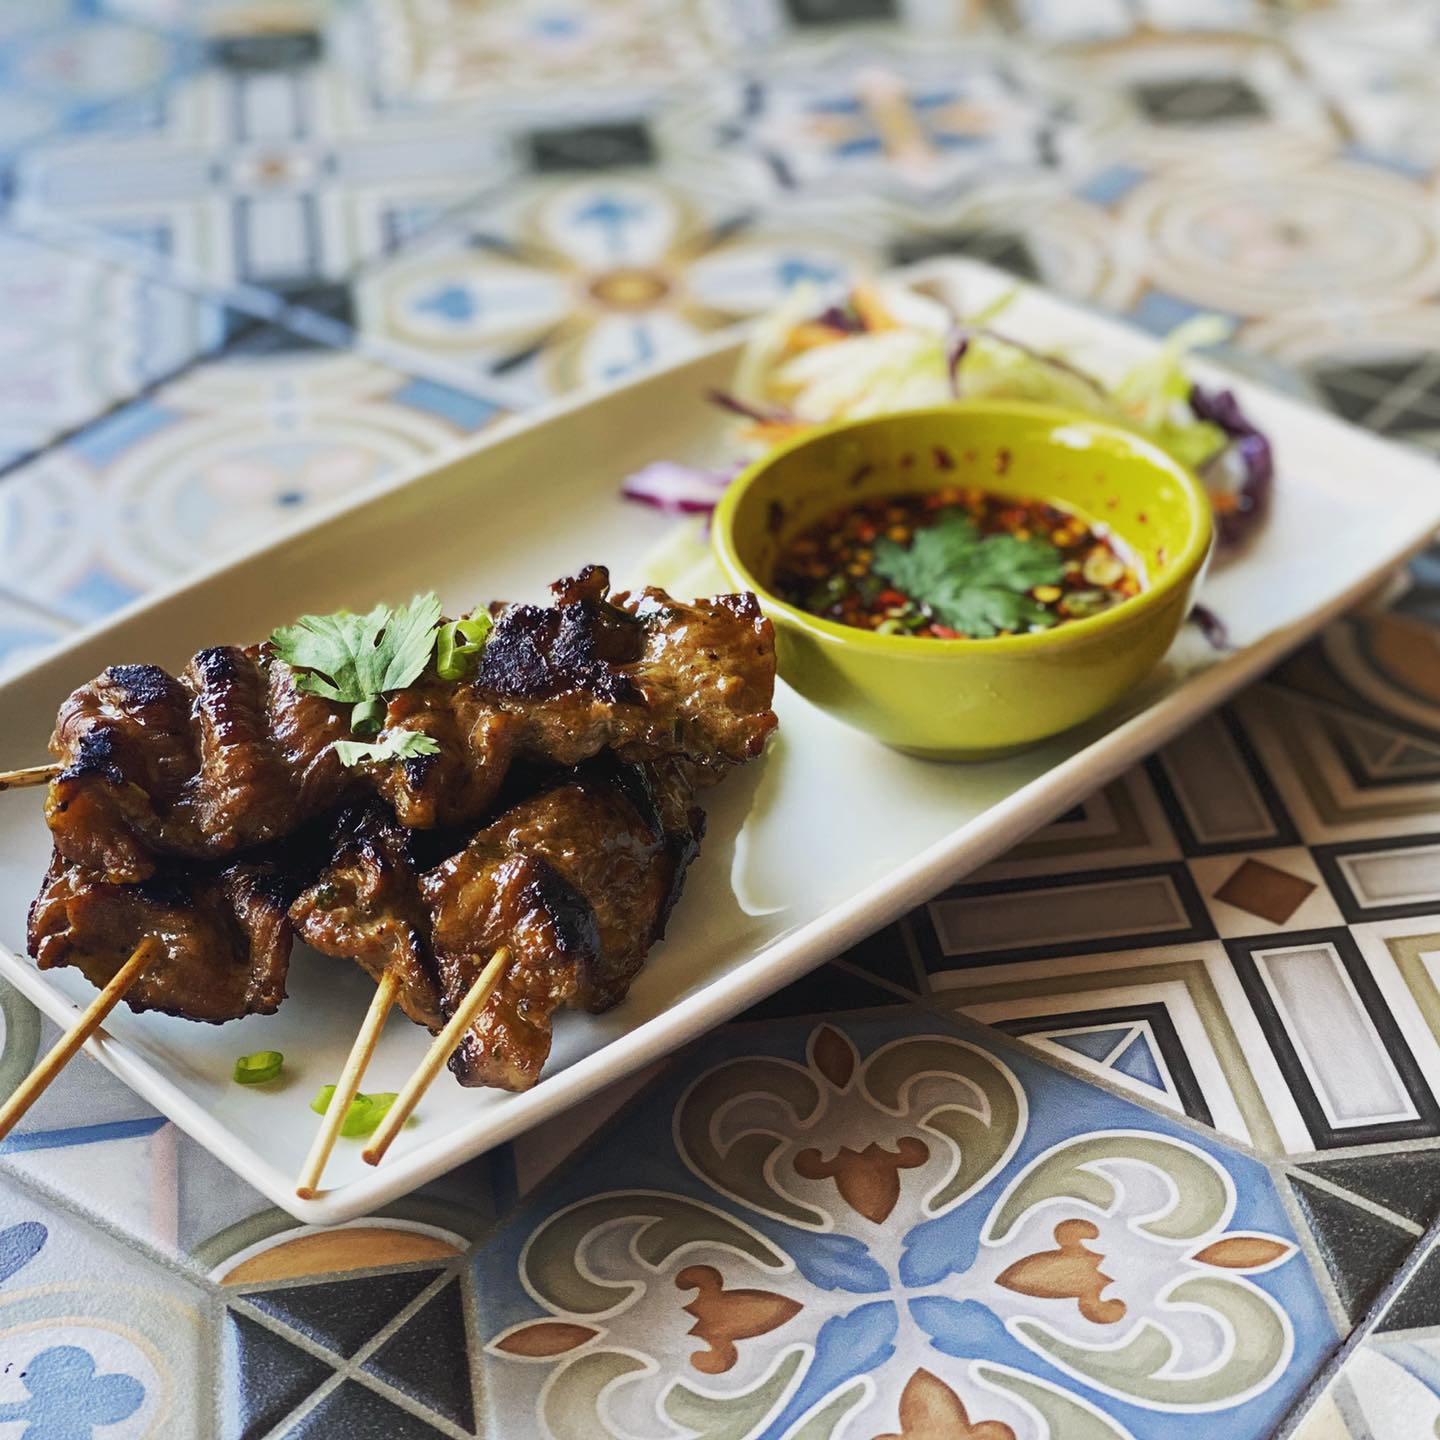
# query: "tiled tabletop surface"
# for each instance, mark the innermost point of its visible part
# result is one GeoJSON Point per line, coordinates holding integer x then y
{"type": "Point", "coordinates": [1136, 1132]}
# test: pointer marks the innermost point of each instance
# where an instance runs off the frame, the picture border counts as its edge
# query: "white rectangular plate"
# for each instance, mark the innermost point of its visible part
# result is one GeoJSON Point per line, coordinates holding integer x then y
{"type": "Point", "coordinates": [824, 840]}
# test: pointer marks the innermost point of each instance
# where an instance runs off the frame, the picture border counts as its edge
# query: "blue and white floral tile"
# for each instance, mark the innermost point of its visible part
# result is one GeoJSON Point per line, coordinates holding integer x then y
{"type": "Point", "coordinates": [270, 167]}
{"type": "Point", "coordinates": [587, 281]}
{"type": "Point", "coordinates": [906, 119]}
{"type": "Point", "coordinates": [882, 1226]}
{"type": "Point", "coordinates": [448, 52]}
{"type": "Point", "coordinates": [79, 334]}
{"type": "Point", "coordinates": [93, 1340]}
{"type": "Point", "coordinates": [64, 62]}
{"type": "Point", "coordinates": [232, 451]}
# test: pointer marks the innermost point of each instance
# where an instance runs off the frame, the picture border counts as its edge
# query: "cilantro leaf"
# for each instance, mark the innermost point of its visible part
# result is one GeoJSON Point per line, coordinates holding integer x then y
{"type": "Point", "coordinates": [356, 659]}
{"type": "Point", "coordinates": [976, 584]}
{"type": "Point", "coordinates": [396, 745]}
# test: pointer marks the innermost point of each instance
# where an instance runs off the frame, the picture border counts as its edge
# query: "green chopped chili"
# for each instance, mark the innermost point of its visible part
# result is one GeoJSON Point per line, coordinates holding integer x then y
{"type": "Point", "coordinates": [458, 643]}
{"type": "Point", "coordinates": [364, 1114]}
{"type": "Point", "coordinates": [256, 1069]}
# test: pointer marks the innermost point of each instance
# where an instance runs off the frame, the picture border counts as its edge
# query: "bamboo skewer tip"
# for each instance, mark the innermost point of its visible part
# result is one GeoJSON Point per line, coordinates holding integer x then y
{"type": "Point", "coordinates": [307, 1187]}
{"type": "Point", "coordinates": [441, 1048]}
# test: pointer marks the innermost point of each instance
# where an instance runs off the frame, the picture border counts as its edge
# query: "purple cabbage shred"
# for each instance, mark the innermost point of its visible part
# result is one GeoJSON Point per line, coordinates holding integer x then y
{"type": "Point", "coordinates": [1248, 451]}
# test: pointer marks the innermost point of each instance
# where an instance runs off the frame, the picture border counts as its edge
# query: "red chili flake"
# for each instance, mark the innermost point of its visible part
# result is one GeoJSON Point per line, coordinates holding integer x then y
{"type": "Point", "coordinates": [943, 631]}
{"type": "Point", "coordinates": [944, 460]}
{"type": "Point", "coordinates": [861, 473]}
{"type": "Point", "coordinates": [890, 597]}
{"type": "Point", "coordinates": [906, 460]}
{"type": "Point", "coordinates": [1143, 518]}
{"type": "Point", "coordinates": [1002, 460]}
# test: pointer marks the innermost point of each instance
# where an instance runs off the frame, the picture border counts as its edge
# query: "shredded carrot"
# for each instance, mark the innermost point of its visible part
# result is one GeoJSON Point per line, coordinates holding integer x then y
{"type": "Point", "coordinates": [811, 335]}
{"type": "Point", "coordinates": [870, 308]}
{"type": "Point", "coordinates": [774, 432]}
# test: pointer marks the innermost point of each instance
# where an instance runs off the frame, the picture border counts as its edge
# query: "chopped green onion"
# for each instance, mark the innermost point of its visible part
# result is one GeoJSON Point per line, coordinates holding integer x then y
{"type": "Point", "coordinates": [364, 1114]}
{"type": "Point", "coordinates": [459, 642]}
{"type": "Point", "coordinates": [256, 1069]}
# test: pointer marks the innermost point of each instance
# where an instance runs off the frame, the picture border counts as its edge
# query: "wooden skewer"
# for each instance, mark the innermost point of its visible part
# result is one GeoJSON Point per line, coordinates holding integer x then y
{"type": "Point", "coordinates": [63, 1051]}
{"type": "Point", "coordinates": [348, 1086]}
{"type": "Point", "coordinates": [31, 775]}
{"type": "Point", "coordinates": [443, 1046]}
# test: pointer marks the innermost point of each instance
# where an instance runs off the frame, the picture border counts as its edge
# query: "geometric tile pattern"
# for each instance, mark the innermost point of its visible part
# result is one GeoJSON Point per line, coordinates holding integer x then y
{"type": "Point", "coordinates": [254, 256]}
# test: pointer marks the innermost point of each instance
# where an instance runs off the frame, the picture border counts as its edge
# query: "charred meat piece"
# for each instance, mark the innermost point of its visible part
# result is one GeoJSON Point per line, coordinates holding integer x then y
{"type": "Point", "coordinates": [224, 934]}
{"type": "Point", "coordinates": [578, 882]}
{"type": "Point", "coordinates": [365, 906]}
{"type": "Point", "coordinates": [233, 754]}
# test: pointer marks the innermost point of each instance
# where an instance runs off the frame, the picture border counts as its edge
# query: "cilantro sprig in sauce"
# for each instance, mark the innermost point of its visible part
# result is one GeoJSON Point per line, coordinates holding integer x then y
{"type": "Point", "coordinates": [976, 584]}
{"type": "Point", "coordinates": [959, 562]}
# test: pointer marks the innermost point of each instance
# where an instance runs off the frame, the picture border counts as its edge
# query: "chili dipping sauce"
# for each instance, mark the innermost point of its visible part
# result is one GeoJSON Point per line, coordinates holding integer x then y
{"type": "Point", "coordinates": [872, 566]}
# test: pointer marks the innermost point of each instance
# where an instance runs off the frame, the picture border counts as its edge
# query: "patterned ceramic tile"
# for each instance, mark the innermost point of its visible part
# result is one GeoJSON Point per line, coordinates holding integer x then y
{"type": "Point", "coordinates": [1389, 1383]}
{"type": "Point", "coordinates": [91, 1338]}
{"type": "Point", "coordinates": [231, 451]}
{"type": "Point", "coordinates": [262, 169]}
{"type": "Point", "coordinates": [904, 120]}
{"type": "Point", "coordinates": [1261, 237]}
{"type": "Point", "coordinates": [63, 62]}
{"type": "Point", "coordinates": [884, 1226]}
{"type": "Point", "coordinates": [586, 281]}
{"type": "Point", "coordinates": [78, 335]}
{"type": "Point", "coordinates": [457, 50]}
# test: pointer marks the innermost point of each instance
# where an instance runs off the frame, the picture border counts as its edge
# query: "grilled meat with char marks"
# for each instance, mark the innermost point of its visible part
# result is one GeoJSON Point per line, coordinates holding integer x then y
{"type": "Point", "coordinates": [579, 883]}
{"type": "Point", "coordinates": [224, 934]}
{"type": "Point", "coordinates": [577, 880]}
{"type": "Point", "coordinates": [233, 754]}
{"type": "Point", "coordinates": [365, 906]}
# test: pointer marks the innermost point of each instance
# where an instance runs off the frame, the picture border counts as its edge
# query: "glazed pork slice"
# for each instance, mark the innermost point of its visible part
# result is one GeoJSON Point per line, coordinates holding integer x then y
{"type": "Point", "coordinates": [230, 756]}
{"type": "Point", "coordinates": [365, 906]}
{"type": "Point", "coordinates": [645, 676]}
{"type": "Point", "coordinates": [225, 936]}
{"type": "Point", "coordinates": [578, 882]}
{"type": "Point", "coordinates": [233, 754]}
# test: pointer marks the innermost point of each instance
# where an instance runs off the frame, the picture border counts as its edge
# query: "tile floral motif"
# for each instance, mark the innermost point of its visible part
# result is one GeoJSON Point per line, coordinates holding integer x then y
{"type": "Point", "coordinates": [457, 50]}
{"type": "Point", "coordinates": [280, 178]}
{"type": "Point", "coordinates": [900, 1225]}
{"type": "Point", "coordinates": [895, 119]}
{"type": "Point", "coordinates": [62, 62]}
{"type": "Point", "coordinates": [79, 334]}
{"type": "Point", "coordinates": [589, 281]}
{"type": "Point", "coordinates": [232, 450]}
{"type": "Point", "coordinates": [92, 1339]}
{"type": "Point", "coordinates": [1261, 239]}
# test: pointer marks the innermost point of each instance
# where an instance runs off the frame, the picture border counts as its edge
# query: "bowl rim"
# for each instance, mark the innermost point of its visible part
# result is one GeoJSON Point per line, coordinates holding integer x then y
{"type": "Point", "coordinates": [1178, 575]}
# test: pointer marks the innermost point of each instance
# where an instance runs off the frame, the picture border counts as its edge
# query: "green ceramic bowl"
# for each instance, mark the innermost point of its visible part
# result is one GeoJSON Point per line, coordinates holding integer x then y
{"type": "Point", "coordinates": [962, 699]}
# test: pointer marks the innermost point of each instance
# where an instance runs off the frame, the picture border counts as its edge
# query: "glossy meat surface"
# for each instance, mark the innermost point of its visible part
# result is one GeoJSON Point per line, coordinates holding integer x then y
{"type": "Point", "coordinates": [225, 936]}
{"type": "Point", "coordinates": [579, 882]}
{"type": "Point", "coordinates": [232, 754]}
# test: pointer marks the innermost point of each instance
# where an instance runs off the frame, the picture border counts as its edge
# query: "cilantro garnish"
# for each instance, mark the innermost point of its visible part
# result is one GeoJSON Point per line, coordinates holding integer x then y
{"type": "Point", "coordinates": [976, 584]}
{"type": "Point", "coordinates": [395, 745]}
{"type": "Point", "coordinates": [356, 659]}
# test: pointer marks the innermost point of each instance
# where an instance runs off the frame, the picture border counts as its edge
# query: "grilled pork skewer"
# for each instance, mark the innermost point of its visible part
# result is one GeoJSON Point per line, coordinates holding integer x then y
{"type": "Point", "coordinates": [577, 882]}
{"type": "Point", "coordinates": [234, 753]}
